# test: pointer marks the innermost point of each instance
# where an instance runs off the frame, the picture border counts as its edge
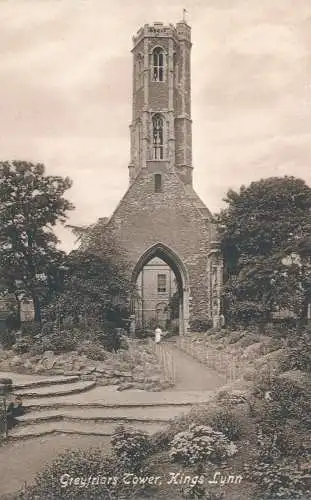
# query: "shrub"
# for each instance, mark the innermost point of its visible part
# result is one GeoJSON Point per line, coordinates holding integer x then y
{"type": "Point", "coordinates": [235, 337]}
{"type": "Point", "coordinates": [131, 447]}
{"type": "Point", "coordinates": [56, 480]}
{"type": "Point", "coordinates": [23, 346]}
{"type": "Point", "coordinates": [110, 340]}
{"type": "Point", "coordinates": [280, 479]}
{"type": "Point", "coordinates": [197, 490]}
{"type": "Point", "coordinates": [200, 325]}
{"type": "Point", "coordinates": [292, 394]}
{"type": "Point", "coordinates": [274, 344]}
{"type": "Point", "coordinates": [200, 444]}
{"type": "Point", "coordinates": [227, 422]}
{"type": "Point", "coordinates": [31, 328]}
{"type": "Point", "coordinates": [7, 339]}
{"type": "Point", "coordinates": [56, 341]}
{"type": "Point", "coordinates": [81, 475]}
{"type": "Point", "coordinates": [249, 339]}
{"type": "Point", "coordinates": [92, 351]}
{"type": "Point", "coordinates": [298, 358]}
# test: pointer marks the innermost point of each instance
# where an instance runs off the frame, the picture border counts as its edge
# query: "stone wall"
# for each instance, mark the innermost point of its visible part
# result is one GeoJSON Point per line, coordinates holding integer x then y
{"type": "Point", "coordinates": [145, 218]}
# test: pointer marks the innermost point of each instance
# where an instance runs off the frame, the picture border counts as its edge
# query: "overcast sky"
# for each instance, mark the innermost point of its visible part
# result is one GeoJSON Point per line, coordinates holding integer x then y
{"type": "Point", "coordinates": [65, 92]}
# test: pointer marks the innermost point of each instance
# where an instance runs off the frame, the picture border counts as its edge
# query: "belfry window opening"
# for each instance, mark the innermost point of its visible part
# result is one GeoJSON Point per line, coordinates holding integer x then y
{"type": "Point", "coordinates": [157, 134]}
{"type": "Point", "coordinates": [158, 65]}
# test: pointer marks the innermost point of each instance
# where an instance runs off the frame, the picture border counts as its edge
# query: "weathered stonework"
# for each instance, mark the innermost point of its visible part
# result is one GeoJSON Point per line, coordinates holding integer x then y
{"type": "Point", "coordinates": [161, 214]}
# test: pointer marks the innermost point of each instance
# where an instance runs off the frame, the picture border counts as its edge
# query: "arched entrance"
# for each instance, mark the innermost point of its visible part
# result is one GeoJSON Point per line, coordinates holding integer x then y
{"type": "Point", "coordinates": [170, 257]}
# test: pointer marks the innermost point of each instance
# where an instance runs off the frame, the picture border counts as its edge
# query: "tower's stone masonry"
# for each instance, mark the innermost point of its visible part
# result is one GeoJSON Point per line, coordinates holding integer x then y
{"type": "Point", "coordinates": [161, 206]}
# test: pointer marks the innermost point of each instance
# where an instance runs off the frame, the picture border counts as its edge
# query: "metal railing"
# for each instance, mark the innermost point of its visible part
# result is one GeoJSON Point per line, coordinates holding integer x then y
{"type": "Point", "coordinates": [166, 361]}
{"type": "Point", "coordinates": [214, 359]}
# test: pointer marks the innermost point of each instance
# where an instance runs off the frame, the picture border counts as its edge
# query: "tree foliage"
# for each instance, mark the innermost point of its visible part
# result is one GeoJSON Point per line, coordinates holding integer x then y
{"type": "Point", "coordinates": [31, 204]}
{"type": "Point", "coordinates": [96, 283]}
{"type": "Point", "coordinates": [265, 239]}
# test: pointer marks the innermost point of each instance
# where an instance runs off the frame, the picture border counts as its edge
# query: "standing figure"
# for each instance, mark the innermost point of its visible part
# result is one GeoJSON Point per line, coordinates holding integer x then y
{"type": "Point", "coordinates": [157, 335]}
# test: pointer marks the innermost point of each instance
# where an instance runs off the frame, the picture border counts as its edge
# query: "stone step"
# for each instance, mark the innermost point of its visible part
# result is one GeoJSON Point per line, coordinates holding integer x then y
{"type": "Point", "coordinates": [78, 428]}
{"type": "Point", "coordinates": [57, 390]}
{"type": "Point", "coordinates": [109, 397]}
{"type": "Point", "coordinates": [57, 379]}
{"type": "Point", "coordinates": [151, 414]}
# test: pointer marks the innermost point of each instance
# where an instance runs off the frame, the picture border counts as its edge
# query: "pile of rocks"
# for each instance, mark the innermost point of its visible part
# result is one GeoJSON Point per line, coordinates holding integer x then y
{"type": "Point", "coordinates": [118, 369]}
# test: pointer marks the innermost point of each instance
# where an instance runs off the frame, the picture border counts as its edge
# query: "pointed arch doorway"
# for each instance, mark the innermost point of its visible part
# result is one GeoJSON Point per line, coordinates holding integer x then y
{"type": "Point", "coordinates": [170, 258]}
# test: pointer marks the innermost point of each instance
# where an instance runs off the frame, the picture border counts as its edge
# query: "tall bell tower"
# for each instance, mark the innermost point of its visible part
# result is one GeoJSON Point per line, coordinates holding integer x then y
{"type": "Point", "coordinates": [161, 137]}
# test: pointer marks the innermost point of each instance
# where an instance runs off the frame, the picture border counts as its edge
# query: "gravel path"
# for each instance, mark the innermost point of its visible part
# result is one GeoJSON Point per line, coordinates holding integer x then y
{"type": "Point", "coordinates": [192, 375]}
{"type": "Point", "coordinates": [20, 461]}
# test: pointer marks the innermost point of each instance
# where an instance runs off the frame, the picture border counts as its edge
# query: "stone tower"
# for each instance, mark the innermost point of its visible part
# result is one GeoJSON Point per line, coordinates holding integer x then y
{"type": "Point", "coordinates": [161, 215]}
{"type": "Point", "coordinates": [161, 124]}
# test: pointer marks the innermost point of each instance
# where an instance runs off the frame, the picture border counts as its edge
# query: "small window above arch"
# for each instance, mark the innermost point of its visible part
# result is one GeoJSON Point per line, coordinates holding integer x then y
{"type": "Point", "coordinates": [157, 183]}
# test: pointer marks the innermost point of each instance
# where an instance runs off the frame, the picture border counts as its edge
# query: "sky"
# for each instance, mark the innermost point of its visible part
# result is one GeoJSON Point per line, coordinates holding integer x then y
{"type": "Point", "coordinates": [65, 92]}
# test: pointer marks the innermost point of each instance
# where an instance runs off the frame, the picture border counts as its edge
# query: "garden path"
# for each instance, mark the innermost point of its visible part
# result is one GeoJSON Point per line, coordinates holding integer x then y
{"type": "Point", "coordinates": [73, 418]}
{"type": "Point", "coordinates": [190, 374]}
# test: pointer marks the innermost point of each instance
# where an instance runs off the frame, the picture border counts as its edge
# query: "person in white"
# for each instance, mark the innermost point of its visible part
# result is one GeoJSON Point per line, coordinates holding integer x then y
{"type": "Point", "coordinates": [157, 335]}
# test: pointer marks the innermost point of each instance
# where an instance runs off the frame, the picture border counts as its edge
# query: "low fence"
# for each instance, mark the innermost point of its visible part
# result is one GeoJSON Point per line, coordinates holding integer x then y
{"type": "Point", "coordinates": [3, 419]}
{"type": "Point", "coordinates": [214, 359]}
{"type": "Point", "coordinates": [166, 361]}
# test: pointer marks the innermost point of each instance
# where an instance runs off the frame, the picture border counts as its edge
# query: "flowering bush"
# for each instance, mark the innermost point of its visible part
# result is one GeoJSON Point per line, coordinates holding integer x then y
{"type": "Point", "coordinates": [200, 444]}
{"type": "Point", "coordinates": [130, 446]}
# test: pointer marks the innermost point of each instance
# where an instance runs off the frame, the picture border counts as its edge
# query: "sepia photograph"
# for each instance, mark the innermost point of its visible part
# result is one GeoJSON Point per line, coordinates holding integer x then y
{"type": "Point", "coordinates": [155, 250]}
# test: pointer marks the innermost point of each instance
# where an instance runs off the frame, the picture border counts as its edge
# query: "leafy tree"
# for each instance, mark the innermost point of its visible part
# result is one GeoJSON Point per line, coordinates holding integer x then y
{"type": "Point", "coordinates": [265, 239]}
{"type": "Point", "coordinates": [31, 204]}
{"type": "Point", "coordinates": [96, 283]}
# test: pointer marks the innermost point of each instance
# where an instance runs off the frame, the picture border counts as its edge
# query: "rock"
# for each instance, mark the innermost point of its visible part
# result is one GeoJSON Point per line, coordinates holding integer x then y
{"type": "Point", "coordinates": [166, 385]}
{"type": "Point", "coordinates": [125, 386]}
{"type": "Point", "coordinates": [6, 381]}
{"type": "Point", "coordinates": [153, 379]}
{"type": "Point", "coordinates": [101, 368]}
{"type": "Point", "coordinates": [35, 358]}
{"type": "Point", "coordinates": [39, 369]}
{"type": "Point", "coordinates": [48, 354]}
{"type": "Point", "coordinates": [253, 351]}
{"type": "Point", "coordinates": [127, 375]}
{"type": "Point", "coordinates": [70, 373]}
{"type": "Point", "coordinates": [48, 363]}
{"type": "Point", "coordinates": [90, 376]}
{"type": "Point", "coordinates": [148, 386]}
{"type": "Point", "coordinates": [103, 381]}
{"type": "Point", "coordinates": [88, 371]}
{"type": "Point", "coordinates": [28, 365]}
{"type": "Point", "coordinates": [16, 360]}
{"type": "Point", "coordinates": [5, 365]}
{"type": "Point", "coordinates": [4, 354]}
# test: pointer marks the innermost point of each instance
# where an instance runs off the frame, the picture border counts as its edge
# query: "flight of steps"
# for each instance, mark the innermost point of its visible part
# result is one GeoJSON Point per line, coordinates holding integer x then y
{"type": "Point", "coordinates": [68, 405]}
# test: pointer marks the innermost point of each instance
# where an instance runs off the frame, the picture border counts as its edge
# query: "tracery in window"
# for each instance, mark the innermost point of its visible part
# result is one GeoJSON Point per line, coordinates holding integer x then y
{"type": "Point", "coordinates": [158, 65]}
{"type": "Point", "coordinates": [157, 135]}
